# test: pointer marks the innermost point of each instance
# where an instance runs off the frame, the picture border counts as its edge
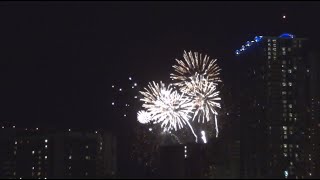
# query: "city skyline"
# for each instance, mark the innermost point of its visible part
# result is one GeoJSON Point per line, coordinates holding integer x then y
{"type": "Point", "coordinates": [81, 65]}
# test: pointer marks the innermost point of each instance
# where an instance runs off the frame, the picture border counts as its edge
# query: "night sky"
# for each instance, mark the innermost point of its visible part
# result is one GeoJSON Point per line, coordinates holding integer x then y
{"type": "Point", "coordinates": [58, 60]}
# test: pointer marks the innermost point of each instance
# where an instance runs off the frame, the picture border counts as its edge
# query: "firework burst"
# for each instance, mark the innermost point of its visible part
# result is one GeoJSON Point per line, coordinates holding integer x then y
{"type": "Point", "coordinates": [198, 78]}
{"type": "Point", "coordinates": [144, 117]}
{"type": "Point", "coordinates": [167, 107]}
{"type": "Point", "coordinates": [192, 65]}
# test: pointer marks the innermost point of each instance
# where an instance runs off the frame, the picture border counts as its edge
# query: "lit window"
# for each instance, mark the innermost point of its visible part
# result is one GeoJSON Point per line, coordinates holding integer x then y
{"type": "Point", "coordinates": [46, 140]}
{"type": "Point", "coordinates": [70, 157]}
{"type": "Point", "coordinates": [46, 146]}
{"type": "Point", "coordinates": [283, 84]}
{"type": "Point", "coordinates": [285, 154]}
{"type": "Point", "coordinates": [289, 71]}
{"type": "Point", "coordinates": [285, 145]}
{"type": "Point", "coordinates": [87, 146]}
{"type": "Point", "coordinates": [290, 84]}
{"type": "Point", "coordinates": [285, 128]}
{"type": "Point", "coordinates": [45, 157]}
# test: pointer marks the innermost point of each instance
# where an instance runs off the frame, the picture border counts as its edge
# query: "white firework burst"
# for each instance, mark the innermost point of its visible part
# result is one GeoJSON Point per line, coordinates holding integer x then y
{"type": "Point", "coordinates": [205, 99]}
{"type": "Point", "coordinates": [143, 117]}
{"type": "Point", "coordinates": [195, 64]}
{"type": "Point", "coordinates": [167, 107]}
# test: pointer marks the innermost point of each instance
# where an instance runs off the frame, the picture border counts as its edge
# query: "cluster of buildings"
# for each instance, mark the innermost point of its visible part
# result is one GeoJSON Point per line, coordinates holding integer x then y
{"type": "Point", "coordinates": [49, 153]}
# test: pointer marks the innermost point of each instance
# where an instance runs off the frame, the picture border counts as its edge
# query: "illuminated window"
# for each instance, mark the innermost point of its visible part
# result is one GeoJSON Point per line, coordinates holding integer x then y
{"type": "Point", "coordinates": [290, 84]}
{"type": "Point", "coordinates": [70, 157]}
{"type": "Point", "coordinates": [283, 84]}
{"type": "Point", "coordinates": [46, 140]}
{"type": "Point", "coordinates": [289, 71]}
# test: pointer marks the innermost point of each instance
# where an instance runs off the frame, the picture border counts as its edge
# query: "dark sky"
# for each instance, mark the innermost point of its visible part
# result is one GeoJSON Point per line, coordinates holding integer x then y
{"type": "Point", "coordinates": [59, 59]}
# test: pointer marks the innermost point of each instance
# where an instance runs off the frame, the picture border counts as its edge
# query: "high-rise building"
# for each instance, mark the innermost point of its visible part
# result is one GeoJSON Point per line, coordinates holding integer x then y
{"type": "Point", "coordinates": [275, 93]}
{"type": "Point", "coordinates": [35, 153]}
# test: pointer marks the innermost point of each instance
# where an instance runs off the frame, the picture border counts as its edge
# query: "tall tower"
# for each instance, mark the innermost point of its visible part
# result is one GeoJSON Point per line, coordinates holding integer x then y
{"type": "Point", "coordinates": [274, 93]}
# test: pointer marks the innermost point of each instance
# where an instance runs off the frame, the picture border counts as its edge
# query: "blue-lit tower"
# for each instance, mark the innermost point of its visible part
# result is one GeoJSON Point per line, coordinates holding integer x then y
{"type": "Point", "coordinates": [274, 95]}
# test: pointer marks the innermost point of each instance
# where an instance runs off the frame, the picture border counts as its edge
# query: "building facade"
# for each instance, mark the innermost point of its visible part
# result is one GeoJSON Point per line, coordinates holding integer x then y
{"type": "Point", "coordinates": [34, 153]}
{"type": "Point", "coordinates": [275, 93]}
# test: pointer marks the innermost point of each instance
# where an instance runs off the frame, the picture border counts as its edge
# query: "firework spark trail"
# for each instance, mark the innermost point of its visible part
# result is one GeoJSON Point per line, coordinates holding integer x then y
{"type": "Point", "coordinates": [167, 106]}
